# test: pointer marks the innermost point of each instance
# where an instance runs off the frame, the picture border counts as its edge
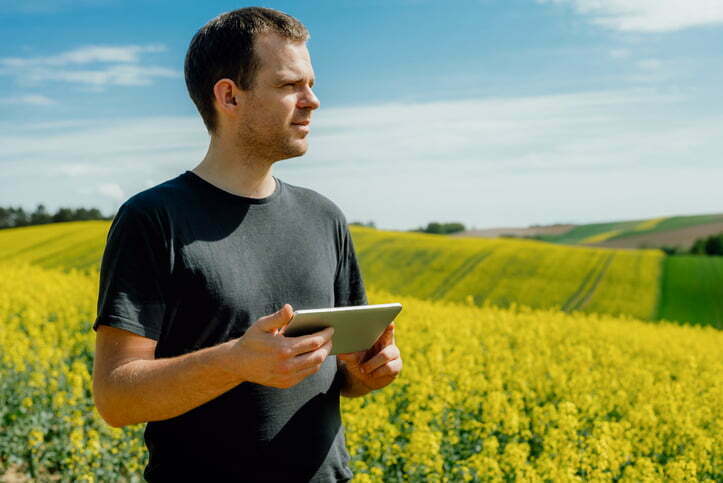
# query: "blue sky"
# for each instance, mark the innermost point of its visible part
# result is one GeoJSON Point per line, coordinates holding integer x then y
{"type": "Point", "coordinates": [489, 112]}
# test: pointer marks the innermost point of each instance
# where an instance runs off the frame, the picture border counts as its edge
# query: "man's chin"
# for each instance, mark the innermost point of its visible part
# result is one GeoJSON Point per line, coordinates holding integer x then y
{"type": "Point", "coordinates": [294, 151]}
{"type": "Point", "coordinates": [300, 147]}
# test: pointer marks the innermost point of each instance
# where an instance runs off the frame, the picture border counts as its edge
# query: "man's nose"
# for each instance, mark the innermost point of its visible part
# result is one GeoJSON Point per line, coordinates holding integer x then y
{"type": "Point", "coordinates": [309, 100]}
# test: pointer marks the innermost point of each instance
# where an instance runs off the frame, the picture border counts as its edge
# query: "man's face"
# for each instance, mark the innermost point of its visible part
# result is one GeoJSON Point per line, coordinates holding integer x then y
{"type": "Point", "coordinates": [281, 96]}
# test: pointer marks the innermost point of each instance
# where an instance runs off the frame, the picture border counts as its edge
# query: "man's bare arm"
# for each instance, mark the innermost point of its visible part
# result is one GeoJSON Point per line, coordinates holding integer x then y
{"type": "Point", "coordinates": [130, 386]}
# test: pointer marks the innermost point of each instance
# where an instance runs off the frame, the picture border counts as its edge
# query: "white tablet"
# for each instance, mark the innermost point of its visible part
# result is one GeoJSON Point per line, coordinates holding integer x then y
{"type": "Point", "coordinates": [356, 328]}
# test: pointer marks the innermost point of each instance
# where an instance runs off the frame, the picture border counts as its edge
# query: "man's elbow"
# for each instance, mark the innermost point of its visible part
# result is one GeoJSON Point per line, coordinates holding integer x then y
{"type": "Point", "coordinates": [108, 408]}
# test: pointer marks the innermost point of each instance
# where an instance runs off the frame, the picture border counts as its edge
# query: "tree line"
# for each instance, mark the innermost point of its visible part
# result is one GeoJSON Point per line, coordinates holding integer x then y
{"type": "Point", "coordinates": [710, 245]}
{"type": "Point", "coordinates": [432, 227]}
{"type": "Point", "coordinates": [11, 217]}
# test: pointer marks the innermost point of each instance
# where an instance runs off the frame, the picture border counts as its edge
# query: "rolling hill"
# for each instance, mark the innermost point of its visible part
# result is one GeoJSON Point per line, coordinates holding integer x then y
{"type": "Point", "coordinates": [679, 231]}
{"type": "Point", "coordinates": [502, 272]}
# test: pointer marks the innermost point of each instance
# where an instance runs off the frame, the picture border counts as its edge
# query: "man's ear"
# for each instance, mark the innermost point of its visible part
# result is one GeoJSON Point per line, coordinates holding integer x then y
{"type": "Point", "coordinates": [225, 93]}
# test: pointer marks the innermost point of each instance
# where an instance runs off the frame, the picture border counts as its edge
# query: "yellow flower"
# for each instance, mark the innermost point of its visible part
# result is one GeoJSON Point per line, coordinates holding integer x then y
{"type": "Point", "coordinates": [35, 437]}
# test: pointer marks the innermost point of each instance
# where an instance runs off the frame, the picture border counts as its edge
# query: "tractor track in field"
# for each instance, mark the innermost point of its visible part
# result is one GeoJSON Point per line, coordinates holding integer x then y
{"type": "Point", "coordinates": [586, 299]}
{"type": "Point", "coordinates": [587, 287]}
{"type": "Point", "coordinates": [458, 274]}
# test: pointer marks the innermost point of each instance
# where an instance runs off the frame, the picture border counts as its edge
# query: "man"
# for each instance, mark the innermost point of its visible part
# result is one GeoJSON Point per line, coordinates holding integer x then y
{"type": "Point", "coordinates": [201, 273]}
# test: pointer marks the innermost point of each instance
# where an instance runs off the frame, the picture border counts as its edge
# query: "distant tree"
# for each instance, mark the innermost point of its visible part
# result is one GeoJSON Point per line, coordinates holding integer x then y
{"type": "Point", "coordinates": [434, 227]}
{"type": "Point", "coordinates": [5, 217]}
{"type": "Point", "coordinates": [711, 245]}
{"type": "Point", "coordinates": [698, 247]}
{"type": "Point", "coordinates": [441, 228]}
{"type": "Point", "coordinates": [40, 216]}
{"type": "Point", "coordinates": [19, 217]}
{"type": "Point", "coordinates": [370, 224]}
{"type": "Point", "coordinates": [714, 245]}
{"type": "Point", "coordinates": [91, 214]}
{"type": "Point", "coordinates": [672, 250]}
{"type": "Point", "coordinates": [63, 214]}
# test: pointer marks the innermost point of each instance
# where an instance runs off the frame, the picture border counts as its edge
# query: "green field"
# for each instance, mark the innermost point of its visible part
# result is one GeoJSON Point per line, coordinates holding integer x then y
{"type": "Point", "coordinates": [692, 289]}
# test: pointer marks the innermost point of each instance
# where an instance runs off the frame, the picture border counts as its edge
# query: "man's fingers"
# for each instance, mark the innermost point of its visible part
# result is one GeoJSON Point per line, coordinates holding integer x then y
{"type": "Point", "coordinates": [353, 358]}
{"type": "Point", "coordinates": [387, 336]}
{"type": "Point", "coordinates": [391, 368]}
{"type": "Point", "coordinates": [310, 342]}
{"type": "Point", "coordinates": [312, 359]}
{"type": "Point", "coordinates": [272, 322]}
{"type": "Point", "coordinates": [387, 354]}
{"type": "Point", "coordinates": [385, 339]}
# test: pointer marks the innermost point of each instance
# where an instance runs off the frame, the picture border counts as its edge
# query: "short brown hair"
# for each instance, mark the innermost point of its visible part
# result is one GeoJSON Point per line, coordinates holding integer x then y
{"type": "Point", "coordinates": [224, 48]}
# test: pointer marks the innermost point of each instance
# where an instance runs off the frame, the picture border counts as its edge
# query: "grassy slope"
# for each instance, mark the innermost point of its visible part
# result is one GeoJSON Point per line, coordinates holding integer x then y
{"type": "Point", "coordinates": [581, 232]}
{"type": "Point", "coordinates": [692, 290]}
{"type": "Point", "coordinates": [624, 229]}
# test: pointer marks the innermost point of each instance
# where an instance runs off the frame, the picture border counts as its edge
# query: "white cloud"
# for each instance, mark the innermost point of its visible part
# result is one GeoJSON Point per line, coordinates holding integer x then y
{"type": "Point", "coordinates": [484, 161]}
{"type": "Point", "coordinates": [648, 15]}
{"type": "Point", "coordinates": [103, 147]}
{"type": "Point", "coordinates": [30, 99]}
{"type": "Point", "coordinates": [93, 65]}
{"type": "Point", "coordinates": [112, 191]}
{"type": "Point", "coordinates": [500, 133]}
{"type": "Point", "coordinates": [79, 169]}
{"type": "Point", "coordinates": [121, 75]}
{"type": "Point", "coordinates": [86, 55]}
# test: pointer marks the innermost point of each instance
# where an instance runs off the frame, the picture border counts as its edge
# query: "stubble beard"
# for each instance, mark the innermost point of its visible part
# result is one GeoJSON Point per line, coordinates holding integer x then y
{"type": "Point", "coordinates": [269, 144]}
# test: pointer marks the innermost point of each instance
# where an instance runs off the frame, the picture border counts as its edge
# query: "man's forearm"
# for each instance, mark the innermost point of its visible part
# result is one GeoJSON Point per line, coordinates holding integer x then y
{"type": "Point", "coordinates": [351, 387]}
{"type": "Point", "coordinates": [152, 390]}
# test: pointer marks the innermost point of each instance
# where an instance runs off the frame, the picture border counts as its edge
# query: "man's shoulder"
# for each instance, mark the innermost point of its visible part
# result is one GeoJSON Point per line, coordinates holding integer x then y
{"type": "Point", "coordinates": [156, 199]}
{"type": "Point", "coordinates": [316, 201]}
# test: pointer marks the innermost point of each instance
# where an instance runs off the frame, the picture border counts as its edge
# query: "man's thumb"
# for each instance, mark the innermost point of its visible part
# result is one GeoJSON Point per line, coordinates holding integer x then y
{"type": "Point", "coordinates": [271, 322]}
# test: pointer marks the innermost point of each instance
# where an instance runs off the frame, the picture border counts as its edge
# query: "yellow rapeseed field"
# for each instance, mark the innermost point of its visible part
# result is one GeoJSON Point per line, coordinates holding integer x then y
{"type": "Point", "coordinates": [505, 271]}
{"type": "Point", "coordinates": [486, 394]}
{"type": "Point", "coordinates": [601, 237]}
{"type": "Point", "coordinates": [650, 224]}
{"type": "Point", "coordinates": [76, 244]}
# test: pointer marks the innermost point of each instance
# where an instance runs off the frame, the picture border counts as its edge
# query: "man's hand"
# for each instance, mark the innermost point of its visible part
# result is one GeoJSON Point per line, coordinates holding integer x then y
{"type": "Point", "coordinates": [268, 358]}
{"type": "Point", "coordinates": [374, 368]}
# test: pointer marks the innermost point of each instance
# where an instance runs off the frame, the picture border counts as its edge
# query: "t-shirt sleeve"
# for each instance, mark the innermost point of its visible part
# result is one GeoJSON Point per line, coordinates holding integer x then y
{"type": "Point", "coordinates": [348, 284]}
{"type": "Point", "coordinates": [133, 273]}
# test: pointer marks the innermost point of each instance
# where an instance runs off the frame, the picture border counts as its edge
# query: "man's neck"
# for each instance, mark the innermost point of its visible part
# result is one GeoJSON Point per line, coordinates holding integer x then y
{"type": "Point", "coordinates": [236, 172]}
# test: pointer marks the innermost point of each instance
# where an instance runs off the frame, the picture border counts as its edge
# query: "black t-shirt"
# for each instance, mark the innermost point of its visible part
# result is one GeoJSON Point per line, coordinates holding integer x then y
{"type": "Point", "coordinates": [191, 266]}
